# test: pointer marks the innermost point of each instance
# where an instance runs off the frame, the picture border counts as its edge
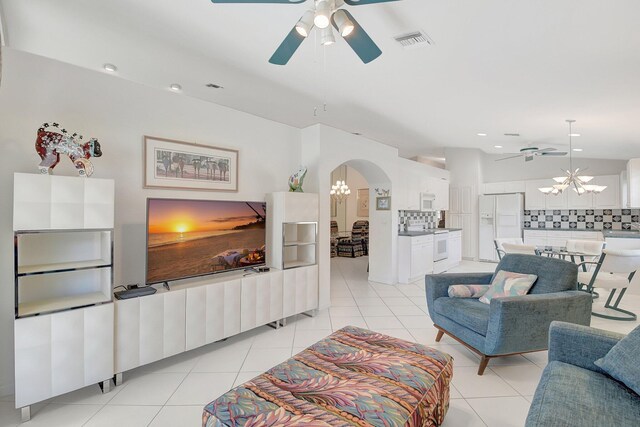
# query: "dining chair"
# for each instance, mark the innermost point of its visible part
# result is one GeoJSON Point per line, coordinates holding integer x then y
{"type": "Point", "coordinates": [614, 271]}
{"type": "Point", "coordinates": [510, 248]}
{"type": "Point", "coordinates": [584, 250]}
{"type": "Point", "coordinates": [501, 241]}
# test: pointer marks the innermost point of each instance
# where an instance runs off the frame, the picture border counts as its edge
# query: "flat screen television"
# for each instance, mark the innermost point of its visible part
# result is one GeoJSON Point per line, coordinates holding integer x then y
{"type": "Point", "coordinates": [188, 238]}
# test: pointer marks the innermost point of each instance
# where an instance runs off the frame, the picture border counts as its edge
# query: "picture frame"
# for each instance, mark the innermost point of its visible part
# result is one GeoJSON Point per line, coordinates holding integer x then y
{"type": "Point", "coordinates": [363, 202]}
{"type": "Point", "coordinates": [383, 203]}
{"type": "Point", "coordinates": [171, 164]}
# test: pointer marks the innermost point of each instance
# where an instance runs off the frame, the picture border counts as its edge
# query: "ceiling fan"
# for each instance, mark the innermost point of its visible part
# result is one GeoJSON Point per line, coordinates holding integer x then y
{"type": "Point", "coordinates": [324, 14]}
{"type": "Point", "coordinates": [529, 153]}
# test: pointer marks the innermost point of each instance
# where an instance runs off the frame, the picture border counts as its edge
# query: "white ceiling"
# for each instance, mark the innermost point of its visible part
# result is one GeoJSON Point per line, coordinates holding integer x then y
{"type": "Point", "coordinates": [497, 66]}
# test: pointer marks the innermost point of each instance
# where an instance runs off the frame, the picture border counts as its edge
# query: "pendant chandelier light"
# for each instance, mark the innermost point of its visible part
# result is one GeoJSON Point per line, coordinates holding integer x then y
{"type": "Point", "coordinates": [340, 191]}
{"type": "Point", "coordinates": [578, 183]}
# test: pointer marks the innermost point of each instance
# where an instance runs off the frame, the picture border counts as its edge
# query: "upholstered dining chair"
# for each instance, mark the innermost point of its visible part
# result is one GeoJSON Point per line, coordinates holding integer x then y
{"type": "Point", "coordinates": [514, 324]}
{"type": "Point", "coordinates": [613, 271]}
{"type": "Point", "coordinates": [510, 240]}
{"type": "Point", "coordinates": [510, 248]}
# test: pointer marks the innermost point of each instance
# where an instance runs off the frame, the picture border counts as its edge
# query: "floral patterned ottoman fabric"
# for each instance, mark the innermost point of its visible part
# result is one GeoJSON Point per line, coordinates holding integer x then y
{"type": "Point", "coordinates": [354, 377]}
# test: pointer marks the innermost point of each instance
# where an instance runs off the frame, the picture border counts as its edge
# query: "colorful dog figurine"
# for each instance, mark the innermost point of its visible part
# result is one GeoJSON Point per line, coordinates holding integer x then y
{"type": "Point", "coordinates": [50, 144]}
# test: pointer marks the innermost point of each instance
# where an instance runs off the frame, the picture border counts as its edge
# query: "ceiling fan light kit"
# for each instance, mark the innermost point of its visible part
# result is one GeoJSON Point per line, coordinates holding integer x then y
{"type": "Point", "coordinates": [575, 181]}
{"type": "Point", "coordinates": [323, 15]}
{"type": "Point", "coordinates": [326, 36]}
{"type": "Point", "coordinates": [344, 24]}
{"type": "Point", "coordinates": [305, 24]}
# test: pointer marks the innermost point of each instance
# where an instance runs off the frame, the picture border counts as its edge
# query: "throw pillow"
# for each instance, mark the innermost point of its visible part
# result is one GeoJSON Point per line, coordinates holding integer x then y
{"type": "Point", "coordinates": [467, 291]}
{"type": "Point", "coordinates": [508, 284]}
{"type": "Point", "coordinates": [622, 361]}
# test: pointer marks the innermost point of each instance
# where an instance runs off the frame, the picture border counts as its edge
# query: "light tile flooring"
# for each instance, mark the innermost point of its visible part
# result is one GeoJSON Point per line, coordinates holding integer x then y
{"type": "Point", "coordinates": [172, 392]}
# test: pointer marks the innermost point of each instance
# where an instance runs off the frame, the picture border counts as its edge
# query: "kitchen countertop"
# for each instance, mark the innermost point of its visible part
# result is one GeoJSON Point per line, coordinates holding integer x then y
{"type": "Point", "coordinates": [617, 234]}
{"type": "Point", "coordinates": [425, 232]}
{"type": "Point", "coordinates": [563, 229]}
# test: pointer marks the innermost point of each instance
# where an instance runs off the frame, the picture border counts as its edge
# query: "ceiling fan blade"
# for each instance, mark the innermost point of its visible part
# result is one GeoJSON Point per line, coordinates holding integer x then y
{"type": "Point", "coordinates": [259, 1]}
{"type": "Point", "coordinates": [287, 48]}
{"type": "Point", "coordinates": [554, 153]}
{"type": "Point", "coordinates": [510, 157]}
{"type": "Point", "coordinates": [545, 150]}
{"type": "Point", "coordinates": [360, 41]}
{"type": "Point", "coordinates": [362, 2]}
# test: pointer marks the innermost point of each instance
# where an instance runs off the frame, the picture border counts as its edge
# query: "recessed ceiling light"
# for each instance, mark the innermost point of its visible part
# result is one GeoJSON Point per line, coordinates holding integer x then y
{"type": "Point", "coordinates": [497, 146]}
{"type": "Point", "coordinates": [175, 87]}
{"type": "Point", "coordinates": [577, 149]}
{"type": "Point", "coordinates": [482, 134]}
{"type": "Point", "coordinates": [574, 134]}
{"type": "Point", "coordinates": [110, 68]}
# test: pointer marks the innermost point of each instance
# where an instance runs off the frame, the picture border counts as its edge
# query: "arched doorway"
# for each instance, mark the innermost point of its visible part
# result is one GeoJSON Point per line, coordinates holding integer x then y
{"type": "Point", "coordinates": [381, 225]}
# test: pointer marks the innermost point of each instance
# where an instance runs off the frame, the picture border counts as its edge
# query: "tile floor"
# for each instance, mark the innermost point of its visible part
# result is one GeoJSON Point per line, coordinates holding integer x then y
{"type": "Point", "coordinates": [173, 391]}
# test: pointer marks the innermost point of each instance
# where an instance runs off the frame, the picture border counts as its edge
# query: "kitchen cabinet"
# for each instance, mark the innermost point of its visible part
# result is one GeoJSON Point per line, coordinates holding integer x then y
{"type": "Point", "coordinates": [504, 187]}
{"type": "Point", "coordinates": [415, 257]}
{"type": "Point", "coordinates": [461, 200]}
{"type": "Point", "coordinates": [534, 198]}
{"type": "Point", "coordinates": [439, 187]}
{"type": "Point", "coordinates": [580, 201]}
{"type": "Point", "coordinates": [455, 248]}
{"type": "Point", "coordinates": [633, 183]}
{"type": "Point", "coordinates": [558, 201]}
{"type": "Point", "coordinates": [610, 197]}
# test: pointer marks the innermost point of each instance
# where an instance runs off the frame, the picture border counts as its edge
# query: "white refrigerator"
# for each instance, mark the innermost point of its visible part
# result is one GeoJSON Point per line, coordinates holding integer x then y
{"type": "Point", "coordinates": [500, 217]}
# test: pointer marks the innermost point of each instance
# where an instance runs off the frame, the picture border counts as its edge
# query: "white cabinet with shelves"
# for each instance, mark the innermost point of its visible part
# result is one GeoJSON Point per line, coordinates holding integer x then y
{"type": "Point", "coordinates": [64, 313]}
{"type": "Point", "coordinates": [59, 270]}
{"type": "Point", "coordinates": [292, 230]}
{"type": "Point", "coordinates": [300, 290]}
{"type": "Point", "coordinates": [299, 246]}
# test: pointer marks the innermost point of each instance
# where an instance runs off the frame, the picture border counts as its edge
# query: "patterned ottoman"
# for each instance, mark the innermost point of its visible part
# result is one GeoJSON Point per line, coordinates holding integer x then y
{"type": "Point", "coordinates": [353, 377]}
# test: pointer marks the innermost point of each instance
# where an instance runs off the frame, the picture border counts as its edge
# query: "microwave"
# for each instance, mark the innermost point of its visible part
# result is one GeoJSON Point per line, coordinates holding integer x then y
{"type": "Point", "coordinates": [427, 202]}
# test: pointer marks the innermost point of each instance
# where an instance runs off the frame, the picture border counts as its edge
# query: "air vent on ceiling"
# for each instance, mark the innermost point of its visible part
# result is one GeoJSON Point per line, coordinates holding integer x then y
{"type": "Point", "coordinates": [511, 134]}
{"type": "Point", "coordinates": [414, 39]}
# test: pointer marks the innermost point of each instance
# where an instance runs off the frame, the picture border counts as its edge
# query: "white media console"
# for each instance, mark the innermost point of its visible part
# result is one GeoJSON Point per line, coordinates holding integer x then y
{"type": "Point", "coordinates": [68, 331]}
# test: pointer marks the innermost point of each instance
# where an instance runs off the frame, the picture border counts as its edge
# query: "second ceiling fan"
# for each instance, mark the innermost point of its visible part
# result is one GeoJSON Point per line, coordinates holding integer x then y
{"type": "Point", "coordinates": [324, 15]}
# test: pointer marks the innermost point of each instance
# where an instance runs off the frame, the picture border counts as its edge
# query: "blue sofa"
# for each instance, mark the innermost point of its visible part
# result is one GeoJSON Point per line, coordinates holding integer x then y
{"type": "Point", "coordinates": [575, 392]}
{"type": "Point", "coordinates": [509, 325]}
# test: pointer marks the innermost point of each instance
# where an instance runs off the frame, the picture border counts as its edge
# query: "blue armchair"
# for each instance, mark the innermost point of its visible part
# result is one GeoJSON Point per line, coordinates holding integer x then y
{"type": "Point", "coordinates": [573, 391]}
{"type": "Point", "coordinates": [510, 325]}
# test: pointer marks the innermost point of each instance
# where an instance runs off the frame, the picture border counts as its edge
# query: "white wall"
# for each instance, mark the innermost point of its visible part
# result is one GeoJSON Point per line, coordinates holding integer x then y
{"type": "Point", "coordinates": [543, 167]}
{"type": "Point", "coordinates": [324, 149]}
{"type": "Point", "coordinates": [35, 90]}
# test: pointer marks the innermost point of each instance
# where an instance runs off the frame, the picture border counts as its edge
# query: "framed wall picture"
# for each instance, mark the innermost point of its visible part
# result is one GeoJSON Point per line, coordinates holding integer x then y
{"type": "Point", "coordinates": [189, 166]}
{"type": "Point", "coordinates": [383, 203]}
{"type": "Point", "coordinates": [363, 202]}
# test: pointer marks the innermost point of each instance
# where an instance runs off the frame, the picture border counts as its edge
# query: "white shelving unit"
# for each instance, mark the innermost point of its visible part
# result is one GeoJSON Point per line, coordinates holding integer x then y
{"type": "Point", "coordinates": [299, 244]}
{"type": "Point", "coordinates": [63, 247]}
{"type": "Point", "coordinates": [62, 270]}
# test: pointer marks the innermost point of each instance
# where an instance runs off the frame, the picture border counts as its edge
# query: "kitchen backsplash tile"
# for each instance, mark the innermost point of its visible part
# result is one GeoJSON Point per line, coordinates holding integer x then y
{"type": "Point", "coordinates": [430, 218]}
{"type": "Point", "coordinates": [582, 219]}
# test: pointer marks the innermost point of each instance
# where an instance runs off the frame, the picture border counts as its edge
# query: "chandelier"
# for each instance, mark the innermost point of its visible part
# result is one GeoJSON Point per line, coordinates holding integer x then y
{"type": "Point", "coordinates": [573, 179]}
{"type": "Point", "coordinates": [340, 191]}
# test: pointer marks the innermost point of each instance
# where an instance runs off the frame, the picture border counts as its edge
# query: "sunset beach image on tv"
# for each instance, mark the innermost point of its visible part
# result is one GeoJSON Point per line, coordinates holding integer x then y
{"type": "Point", "coordinates": [187, 238]}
